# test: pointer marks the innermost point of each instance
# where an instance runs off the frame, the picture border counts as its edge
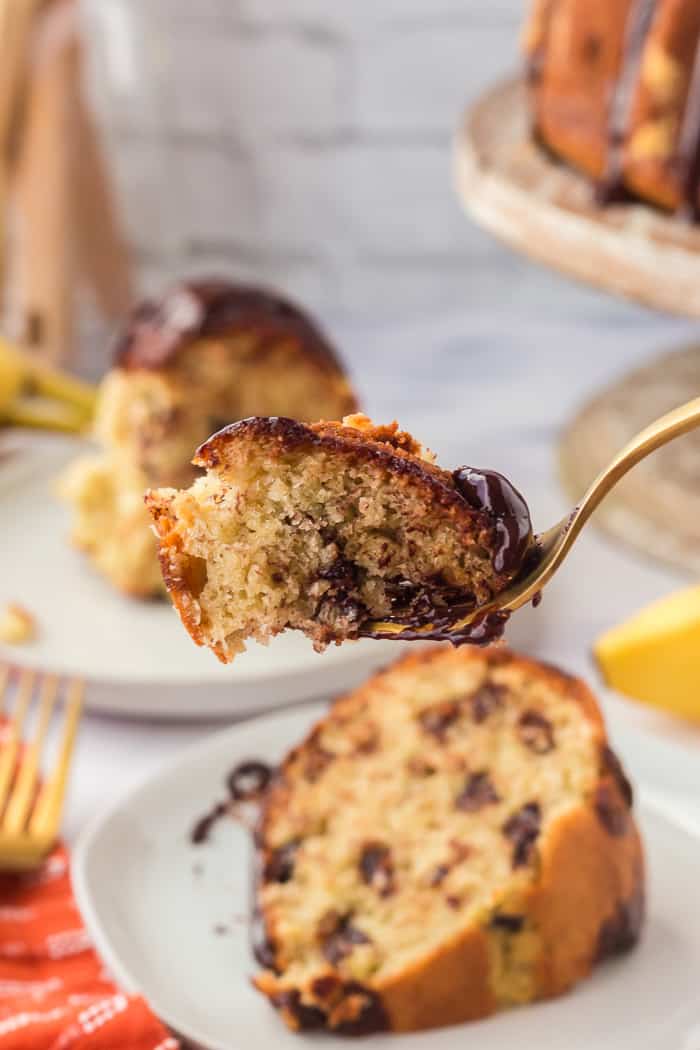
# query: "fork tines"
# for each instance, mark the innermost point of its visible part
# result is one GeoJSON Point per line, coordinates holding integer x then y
{"type": "Point", "coordinates": [30, 805]}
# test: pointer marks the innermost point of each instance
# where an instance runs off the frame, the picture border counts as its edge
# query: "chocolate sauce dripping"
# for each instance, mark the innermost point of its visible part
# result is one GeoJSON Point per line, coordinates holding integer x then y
{"type": "Point", "coordinates": [689, 146]}
{"type": "Point", "coordinates": [488, 491]}
{"type": "Point", "coordinates": [246, 782]}
{"type": "Point", "coordinates": [482, 630]}
{"type": "Point", "coordinates": [202, 827]}
{"type": "Point", "coordinates": [611, 189]}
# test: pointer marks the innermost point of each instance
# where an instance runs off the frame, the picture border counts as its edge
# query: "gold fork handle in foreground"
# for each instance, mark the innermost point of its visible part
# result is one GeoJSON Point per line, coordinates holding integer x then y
{"type": "Point", "coordinates": [554, 545]}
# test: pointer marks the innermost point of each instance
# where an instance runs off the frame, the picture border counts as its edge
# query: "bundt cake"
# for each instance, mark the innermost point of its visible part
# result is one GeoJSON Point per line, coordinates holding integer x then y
{"type": "Point", "coordinates": [206, 354]}
{"type": "Point", "coordinates": [615, 89]}
{"type": "Point", "coordinates": [455, 837]}
{"type": "Point", "coordinates": [328, 528]}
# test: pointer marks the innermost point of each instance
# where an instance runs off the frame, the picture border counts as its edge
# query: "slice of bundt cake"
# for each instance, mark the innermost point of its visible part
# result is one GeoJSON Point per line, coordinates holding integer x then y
{"type": "Point", "coordinates": [455, 837]}
{"type": "Point", "coordinates": [615, 90]}
{"type": "Point", "coordinates": [206, 354]}
{"type": "Point", "coordinates": [327, 528]}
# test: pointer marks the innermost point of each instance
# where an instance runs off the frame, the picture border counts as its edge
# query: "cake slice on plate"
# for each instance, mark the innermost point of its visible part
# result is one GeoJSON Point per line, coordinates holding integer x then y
{"type": "Point", "coordinates": [329, 528]}
{"type": "Point", "coordinates": [204, 354]}
{"type": "Point", "coordinates": [455, 837]}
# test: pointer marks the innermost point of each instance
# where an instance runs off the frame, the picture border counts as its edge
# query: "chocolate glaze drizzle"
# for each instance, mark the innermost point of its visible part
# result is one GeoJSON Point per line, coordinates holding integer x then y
{"type": "Point", "coordinates": [689, 145]}
{"type": "Point", "coordinates": [246, 783]}
{"type": "Point", "coordinates": [488, 491]}
{"type": "Point", "coordinates": [611, 188]}
{"type": "Point", "coordinates": [195, 310]}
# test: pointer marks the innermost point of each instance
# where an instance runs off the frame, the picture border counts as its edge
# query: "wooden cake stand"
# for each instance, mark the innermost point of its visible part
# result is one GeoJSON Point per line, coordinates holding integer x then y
{"type": "Point", "coordinates": [538, 206]}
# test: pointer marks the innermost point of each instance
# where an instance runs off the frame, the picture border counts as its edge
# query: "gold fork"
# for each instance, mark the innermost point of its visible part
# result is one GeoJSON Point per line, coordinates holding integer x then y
{"type": "Point", "coordinates": [30, 812]}
{"type": "Point", "coordinates": [551, 547]}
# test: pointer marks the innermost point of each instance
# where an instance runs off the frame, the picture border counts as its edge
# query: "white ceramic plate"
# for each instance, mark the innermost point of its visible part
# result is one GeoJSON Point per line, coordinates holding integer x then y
{"type": "Point", "coordinates": [137, 656]}
{"type": "Point", "coordinates": [153, 903]}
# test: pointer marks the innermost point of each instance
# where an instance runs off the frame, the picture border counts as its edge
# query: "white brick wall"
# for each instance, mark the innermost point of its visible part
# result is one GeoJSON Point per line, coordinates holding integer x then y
{"type": "Point", "coordinates": [301, 142]}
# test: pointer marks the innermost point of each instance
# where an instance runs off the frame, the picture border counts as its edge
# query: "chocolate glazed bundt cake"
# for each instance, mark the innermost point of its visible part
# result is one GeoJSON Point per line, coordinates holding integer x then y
{"type": "Point", "coordinates": [328, 528]}
{"type": "Point", "coordinates": [615, 89]}
{"type": "Point", "coordinates": [455, 837]}
{"type": "Point", "coordinates": [206, 354]}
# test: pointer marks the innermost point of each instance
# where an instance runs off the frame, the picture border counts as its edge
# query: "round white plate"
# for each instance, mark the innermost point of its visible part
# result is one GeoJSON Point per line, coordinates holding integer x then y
{"type": "Point", "coordinates": [170, 921]}
{"type": "Point", "coordinates": [136, 656]}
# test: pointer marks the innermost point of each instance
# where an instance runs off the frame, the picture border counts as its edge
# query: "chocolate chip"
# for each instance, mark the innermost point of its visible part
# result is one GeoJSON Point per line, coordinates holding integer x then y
{"type": "Point", "coordinates": [342, 573]}
{"type": "Point", "coordinates": [340, 600]}
{"type": "Point", "coordinates": [453, 902]}
{"type": "Point", "coordinates": [522, 828]}
{"type": "Point", "coordinates": [368, 742]}
{"type": "Point", "coordinates": [591, 48]}
{"type": "Point", "coordinates": [477, 793]}
{"type": "Point", "coordinates": [338, 936]}
{"type": "Point", "coordinates": [536, 732]}
{"type": "Point", "coordinates": [248, 780]}
{"type": "Point", "coordinates": [610, 809]}
{"type": "Point", "coordinates": [369, 1014]}
{"type": "Point", "coordinates": [377, 868]}
{"type": "Point", "coordinates": [621, 931]}
{"type": "Point", "coordinates": [438, 718]}
{"type": "Point", "coordinates": [280, 864]}
{"type": "Point", "coordinates": [439, 875]}
{"type": "Point", "coordinates": [264, 949]}
{"type": "Point", "coordinates": [611, 764]}
{"type": "Point", "coordinates": [305, 1017]}
{"type": "Point", "coordinates": [325, 987]}
{"type": "Point", "coordinates": [316, 761]}
{"type": "Point", "coordinates": [420, 767]}
{"type": "Point", "coordinates": [509, 923]}
{"type": "Point", "coordinates": [486, 699]}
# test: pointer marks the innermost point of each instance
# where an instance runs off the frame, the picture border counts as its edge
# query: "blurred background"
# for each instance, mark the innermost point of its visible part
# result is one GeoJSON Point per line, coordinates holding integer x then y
{"type": "Point", "coordinates": [300, 142]}
{"type": "Point", "coordinates": [296, 142]}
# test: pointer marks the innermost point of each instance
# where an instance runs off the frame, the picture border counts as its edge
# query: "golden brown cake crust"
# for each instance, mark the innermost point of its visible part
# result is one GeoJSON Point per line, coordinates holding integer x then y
{"type": "Point", "coordinates": [158, 331]}
{"type": "Point", "coordinates": [585, 899]}
{"type": "Point", "coordinates": [394, 449]}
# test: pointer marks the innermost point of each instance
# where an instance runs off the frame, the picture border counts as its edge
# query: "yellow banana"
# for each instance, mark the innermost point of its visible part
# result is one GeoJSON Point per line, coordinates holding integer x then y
{"type": "Point", "coordinates": [12, 379]}
{"type": "Point", "coordinates": [34, 395]}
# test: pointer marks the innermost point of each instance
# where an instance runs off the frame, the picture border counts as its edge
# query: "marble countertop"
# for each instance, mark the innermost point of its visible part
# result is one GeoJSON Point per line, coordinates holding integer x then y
{"type": "Point", "coordinates": [489, 390]}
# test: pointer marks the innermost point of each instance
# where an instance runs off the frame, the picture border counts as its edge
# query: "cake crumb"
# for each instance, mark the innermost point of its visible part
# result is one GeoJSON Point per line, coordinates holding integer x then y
{"type": "Point", "coordinates": [17, 625]}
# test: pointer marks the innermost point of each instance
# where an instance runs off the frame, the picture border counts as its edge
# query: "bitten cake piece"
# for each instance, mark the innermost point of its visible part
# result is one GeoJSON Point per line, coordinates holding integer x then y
{"type": "Point", "coordinates": [455, 837]}
{"type": "Point", "coordinates": [206, 354]}
{"type": "Point", "coordinates": [326, 528]}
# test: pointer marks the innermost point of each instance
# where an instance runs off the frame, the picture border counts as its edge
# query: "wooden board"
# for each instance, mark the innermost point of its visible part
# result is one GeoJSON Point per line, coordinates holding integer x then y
{"type": "Point", "coordinates": [542, 208]}
{"type": "Point", "coordinates": [656, 508]}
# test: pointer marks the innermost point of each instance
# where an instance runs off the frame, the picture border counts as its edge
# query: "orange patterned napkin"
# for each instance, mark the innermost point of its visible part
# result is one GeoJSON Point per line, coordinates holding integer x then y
{"type": "Point", "coordinates": [54, 992]}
